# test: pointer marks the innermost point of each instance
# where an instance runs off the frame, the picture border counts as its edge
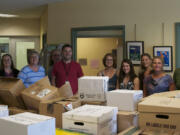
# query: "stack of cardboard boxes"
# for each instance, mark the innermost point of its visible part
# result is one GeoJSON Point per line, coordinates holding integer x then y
{"type": "Point", "coordinates": [126, 101]}
{"type": "Point", "coordinates": [158, 115]}
{"type": "Point", "coordinates": [41, 98]}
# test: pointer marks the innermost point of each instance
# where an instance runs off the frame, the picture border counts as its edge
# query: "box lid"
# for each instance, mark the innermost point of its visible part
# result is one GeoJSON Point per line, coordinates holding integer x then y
{"type": "Point", "coordinates": [123, 91]}
{"type": "Point", "coordinates": [160, 104]}
{"type": "Point", "coordinates": [91, 113]}
{"type": "Point", "coordinates": [94, 77]}
{"type": "Point", "coordinates": [7, 82]}
{"type": "Point", "coordinates": [26, 118]}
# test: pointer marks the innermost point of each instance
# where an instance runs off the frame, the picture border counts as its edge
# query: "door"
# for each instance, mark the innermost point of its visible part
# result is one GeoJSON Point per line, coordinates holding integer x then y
{"type": "Point", "coordinates": [21, 53]}
{"type": "Point", "coordinates": [18, 49]}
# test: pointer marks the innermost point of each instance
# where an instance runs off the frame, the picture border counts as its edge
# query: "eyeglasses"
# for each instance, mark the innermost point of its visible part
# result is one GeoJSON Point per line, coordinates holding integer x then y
{"type": "Point", "coordinates": [109, 59]}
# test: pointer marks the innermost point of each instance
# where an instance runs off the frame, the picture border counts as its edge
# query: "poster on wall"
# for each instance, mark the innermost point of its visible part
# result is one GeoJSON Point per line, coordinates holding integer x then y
{"type": "Point", "coordinates": [134, 51]}
{"type": "Point", "coordinates": [165, 52]}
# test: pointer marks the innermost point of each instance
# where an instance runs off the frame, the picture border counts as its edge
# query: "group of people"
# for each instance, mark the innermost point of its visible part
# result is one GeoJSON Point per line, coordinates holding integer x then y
{"type": "Point", "coordinates": [151, 78]}
{"type": "Point", "coordinates": [62, 70]}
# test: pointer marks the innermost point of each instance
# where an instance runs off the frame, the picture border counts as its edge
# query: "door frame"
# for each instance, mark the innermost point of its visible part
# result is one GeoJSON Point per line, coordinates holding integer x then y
{"type": "Point", "coordinates": [177, 44]}
{"type": "Point", "coordinates": [75, 35]}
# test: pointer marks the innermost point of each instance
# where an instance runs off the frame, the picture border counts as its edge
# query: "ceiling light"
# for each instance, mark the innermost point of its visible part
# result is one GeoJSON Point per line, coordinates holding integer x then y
{"type": "Point", "coordinates": [8, 15]}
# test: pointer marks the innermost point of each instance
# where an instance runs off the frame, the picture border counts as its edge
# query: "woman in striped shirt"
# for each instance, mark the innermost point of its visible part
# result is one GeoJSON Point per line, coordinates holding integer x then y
{"type": "Point", "coordinates": [33, 72]}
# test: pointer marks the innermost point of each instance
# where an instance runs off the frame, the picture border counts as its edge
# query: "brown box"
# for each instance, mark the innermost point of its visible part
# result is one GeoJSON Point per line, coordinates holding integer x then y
{"type": "Point", "coordinates": [56, 107]}
{"type": "Point", "coordinates": [36, 93]}
{"type": "Point", "coordinates": [159, 113]}
{"type": "Point", "coordinates": [15, 110]}
{"type": "Point", "coordinates": [93, 103]}
{"type": "Point", "coordinates": [10, 91]}
{"type": "Point", "coordinates": [131, 131]}
{"type": "Point", "coordinates": [65, 91]}
{"type": "Point", "coordinates": [126, 119]}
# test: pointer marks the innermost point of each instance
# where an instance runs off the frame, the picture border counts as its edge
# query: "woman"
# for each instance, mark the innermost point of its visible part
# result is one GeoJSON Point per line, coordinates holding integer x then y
{"type": "Point", "coordinates": [54, 58]}
{"type": "Point", "coordinates": [127, 77]}
{"type": "Point", "coordinates": [158, 81]}
{"type": "Point", "coordinates": [33, 72]}
{"type": "Point", "coordinates": [146, 62]}
{"type": "Point", "coordinates": [110, 71]}
{"type": "Point", "coordinates": [7, 67]}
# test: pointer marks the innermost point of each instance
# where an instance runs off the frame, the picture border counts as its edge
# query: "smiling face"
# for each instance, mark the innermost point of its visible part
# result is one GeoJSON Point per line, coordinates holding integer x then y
{"type": "Point", "coordinates": [157, 65]}
{"type": "Point", "coordinates": [146, 61]}
{"type": "Point", "coordinates": [7, 61]}
{"type": "Point", "coordinates": [109, 61]}
{"type": "Point", "coordinates": [67, 54]}
{"type": "Point", "coordinates": [126, 68]}
{"type": "Point", "coordinates": [34, 59]}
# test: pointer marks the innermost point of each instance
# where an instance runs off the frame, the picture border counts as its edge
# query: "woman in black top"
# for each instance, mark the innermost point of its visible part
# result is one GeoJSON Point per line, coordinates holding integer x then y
{"type": "Point", "coordinates": [7, 67]}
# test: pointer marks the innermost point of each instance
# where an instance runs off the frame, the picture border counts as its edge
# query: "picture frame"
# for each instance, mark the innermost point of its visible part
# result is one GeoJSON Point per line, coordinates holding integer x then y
{"type": "Point", "coordinates": [166, 53]}
{"type": "Point", "coordinates": [134, 50]}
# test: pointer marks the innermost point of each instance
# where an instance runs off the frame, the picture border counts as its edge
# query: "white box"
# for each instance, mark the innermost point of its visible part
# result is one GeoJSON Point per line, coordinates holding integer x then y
{"type": "Point", "coordinates": [4, 112]}
{"type": "Point", "coordinates": [93, 88]}
{"type": "Point", "coordinates": [125, 100]}
{"type": "Point", "coordinates": [27, 124]}
{"type": "Point", "coordinates": [92, 119]}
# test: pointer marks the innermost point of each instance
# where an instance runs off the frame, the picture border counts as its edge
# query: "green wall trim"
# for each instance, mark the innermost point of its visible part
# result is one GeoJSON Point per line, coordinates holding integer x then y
{"type": "Point", "coordinates": [177, 42]}
{"type": "Point", "coordinates": [74, 35]}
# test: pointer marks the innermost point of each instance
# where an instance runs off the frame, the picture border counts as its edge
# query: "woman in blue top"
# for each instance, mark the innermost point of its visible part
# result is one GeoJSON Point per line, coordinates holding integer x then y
{"type": "Point", "coordinates": [158, 81]}
{"type": "Point", "coordinates": [110, 71]}
{"type": "Point", "coordinates": [33, 72]}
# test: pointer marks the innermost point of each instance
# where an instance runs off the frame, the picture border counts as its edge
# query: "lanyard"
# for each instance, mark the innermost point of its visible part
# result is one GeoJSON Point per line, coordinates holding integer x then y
{"type": "Point", "coordinates": [67, 70]}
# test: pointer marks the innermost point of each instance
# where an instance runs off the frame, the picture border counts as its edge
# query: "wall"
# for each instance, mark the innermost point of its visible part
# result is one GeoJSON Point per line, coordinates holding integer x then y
{"type": "Point", "coordinates": [19, 27]}
{"type": "Point", "coordinates": [95, 49]}
{"type": "Point", "coordinates": [148, 15]}
{"type": "Point", "coordinates": [43, 24]}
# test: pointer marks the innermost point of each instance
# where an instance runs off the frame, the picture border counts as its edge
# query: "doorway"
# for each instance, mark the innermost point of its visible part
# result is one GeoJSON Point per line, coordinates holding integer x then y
{"type": "Point", "coordinates": [92, 43]}
{"type": "Point", "coordinates": [17, 47]}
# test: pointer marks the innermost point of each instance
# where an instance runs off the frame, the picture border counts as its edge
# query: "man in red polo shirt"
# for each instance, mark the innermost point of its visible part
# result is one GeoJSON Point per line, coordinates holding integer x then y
{"type": "Point", "coordinates": [66, 70]}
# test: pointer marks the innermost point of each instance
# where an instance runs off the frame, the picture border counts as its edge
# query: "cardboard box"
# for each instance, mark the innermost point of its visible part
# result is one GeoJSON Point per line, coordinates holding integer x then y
{"type": "Point", "coordinates": [93, 103]}
{"type": "Point", "coordinates": [169, 94]}
{"type": "Point", "coordinates": [131, 131]}
{"type": "Point", "coordinates": [36, 93]}
{"type": "Point", "coordinates": [125, 100]}
{"type": "Point", "coordinates": [27, 124]}
{"type": "Point", "coordinates": [150, 132]}
{"type": "Point", "coordinates": [65, 91]}
{"type": "Point", "coordinates": [93, 88]}
{"type": "Point", "coordinates": [15, 110]}
{"type": "Point", "coordinates": [126, 120]}
{"type": "Point", "coordinates": [159, 113]}
{"type": "Point", "coordinates": [136, 131]}
{"type": "Point", "coordinates": [56, 107]}
{"type": "Point", "coordinates": [10, 92]}
{"type": "Point", "coordinates": [92, 119]}
{"type": "Point", "coordinates": [4, 112]}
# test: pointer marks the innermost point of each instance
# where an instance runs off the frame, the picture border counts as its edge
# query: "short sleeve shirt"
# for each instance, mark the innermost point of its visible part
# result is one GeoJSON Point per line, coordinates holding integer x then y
{"type": "Point", "coordinates": [67, 72]}
{"type": "Point", "coordinates": [157, 85]}
{"type": "Point", "coordinates": [29, 77]}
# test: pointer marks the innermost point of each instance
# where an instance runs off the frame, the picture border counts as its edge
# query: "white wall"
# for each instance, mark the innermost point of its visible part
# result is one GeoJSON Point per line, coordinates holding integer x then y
{"type": "Point", "coordinates": [148, 15]}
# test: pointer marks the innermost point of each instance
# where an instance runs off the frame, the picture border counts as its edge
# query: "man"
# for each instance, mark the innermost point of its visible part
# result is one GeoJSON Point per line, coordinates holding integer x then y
{"type": "Point", "coordinates": [66, 70]}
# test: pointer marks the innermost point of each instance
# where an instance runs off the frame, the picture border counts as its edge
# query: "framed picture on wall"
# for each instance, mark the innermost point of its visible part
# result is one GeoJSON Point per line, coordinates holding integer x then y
{"type": "Point", "coordinates": [134, 51]}
{"type": "Point", "coordinates": [166, 53]}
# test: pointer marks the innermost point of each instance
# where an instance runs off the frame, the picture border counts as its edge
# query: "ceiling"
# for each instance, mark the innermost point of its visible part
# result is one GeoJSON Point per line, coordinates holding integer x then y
{"type": "Point", "coordinates": [25, 8]}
